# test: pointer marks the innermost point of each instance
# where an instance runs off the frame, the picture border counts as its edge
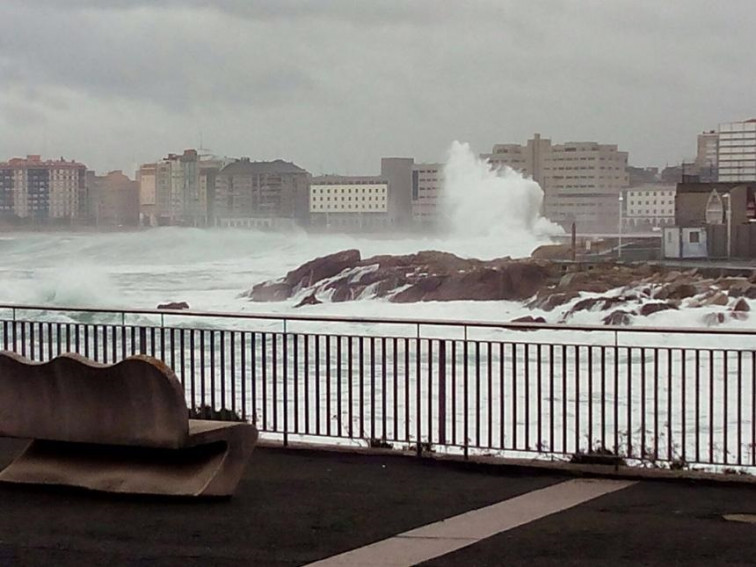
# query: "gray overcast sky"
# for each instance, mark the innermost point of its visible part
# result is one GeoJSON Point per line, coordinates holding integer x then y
{"type": "Point", "coordinates": [335, 84]}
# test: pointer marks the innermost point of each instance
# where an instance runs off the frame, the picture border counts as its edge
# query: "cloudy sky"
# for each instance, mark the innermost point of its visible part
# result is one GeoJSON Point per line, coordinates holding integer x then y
{"type": "Point", "coordinates": [335, 84]}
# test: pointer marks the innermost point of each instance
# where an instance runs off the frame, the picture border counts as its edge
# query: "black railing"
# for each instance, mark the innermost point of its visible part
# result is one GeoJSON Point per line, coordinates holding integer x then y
{"type": "Point", "coordinates": [651, 396]}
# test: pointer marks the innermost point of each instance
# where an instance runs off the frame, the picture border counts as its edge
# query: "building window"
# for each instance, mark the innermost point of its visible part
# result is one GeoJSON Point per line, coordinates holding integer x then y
{"type": "Point", "coordinates": [693, 238]}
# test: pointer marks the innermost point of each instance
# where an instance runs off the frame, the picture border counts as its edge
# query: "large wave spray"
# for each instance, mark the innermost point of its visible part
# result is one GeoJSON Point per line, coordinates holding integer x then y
{"type": "Point", "coordinates": [491, 209]}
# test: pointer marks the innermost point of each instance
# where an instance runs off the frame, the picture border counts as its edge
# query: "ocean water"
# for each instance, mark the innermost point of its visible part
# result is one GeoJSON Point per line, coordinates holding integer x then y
{"type": "Point", "coordinates": [486, 213]}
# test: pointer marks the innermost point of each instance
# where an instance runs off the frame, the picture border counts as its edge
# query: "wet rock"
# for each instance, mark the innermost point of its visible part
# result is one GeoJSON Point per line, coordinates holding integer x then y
{"type": "Point", "coordinates": [596, 304]}
{"type": "Point", "coordinates": [715, 297]}
{"type": "Point", "coordinates": [529, 319]}
{"type": "Point", "coordinates": [553, 252]}
{"type": "Point", "coordinates": [741, 305]}
{"type": "Point", "coordinates": [322, 268]}
{"type": "Point", "coordinates": [681, 290]}
{"type": "Point", "coordinates": [671, 276]}
{"type": "Point", "coordinates": [309, 300]}
{"type": "Point", "coordinates": [712, 319]}
{"type": "Point", "coordinates": [651, 308]}
{"type": "Point", "coordinates": [573, 279]}
{"type": "Point", "coordinates": [618, 317]}
{"type": "Point", "coordinates": [174, 306]}
{"type": "Point", "coordinates": [270, 291]}
{"type": "Point", "coordinates": [549, 302]}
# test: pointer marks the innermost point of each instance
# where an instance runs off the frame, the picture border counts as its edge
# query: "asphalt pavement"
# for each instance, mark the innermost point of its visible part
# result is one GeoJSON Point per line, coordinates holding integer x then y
{"type": "Point", "coordinates": [294, 507]}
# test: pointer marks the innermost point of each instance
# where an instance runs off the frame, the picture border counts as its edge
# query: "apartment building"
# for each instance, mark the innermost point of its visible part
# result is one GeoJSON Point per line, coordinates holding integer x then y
{"type": "Point", "coordinates": [179, 189]}
{"type": "Point", "coordinates": [264, 194]}
{"type": "Point", "coordinates": [427, 185]}
{"type": "Point", "coordinates": [648, 206]}
{"type": "Point", "coordinates": [113, 199]}
{"type": "Point", "coordinates": [581, 181]}
{"type": "Point", "coordinates": [736, 151]}
{"type": "Point", "coordinates": [49, 190]}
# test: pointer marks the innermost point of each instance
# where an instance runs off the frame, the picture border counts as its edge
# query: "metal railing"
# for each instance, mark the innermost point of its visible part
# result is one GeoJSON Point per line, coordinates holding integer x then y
{"type": "Point", "coordinates": [650, 396]}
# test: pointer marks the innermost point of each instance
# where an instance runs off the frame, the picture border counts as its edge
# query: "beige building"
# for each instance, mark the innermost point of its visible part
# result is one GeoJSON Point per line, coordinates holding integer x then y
{"type": "Point", "coordinates": [114, 200]}
{"type": "Point", "coordinates": [427, 184]}
{"type": "Point", "coordinates": [581, 181]}
{"type": "Point", "coordinates": [647, 207]}
{"type": "Point", "coordinates": [50, 190]}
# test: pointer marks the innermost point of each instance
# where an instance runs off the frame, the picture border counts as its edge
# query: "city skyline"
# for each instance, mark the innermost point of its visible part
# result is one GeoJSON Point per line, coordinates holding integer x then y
{"type": "Point", "coordinates": [333, 86]}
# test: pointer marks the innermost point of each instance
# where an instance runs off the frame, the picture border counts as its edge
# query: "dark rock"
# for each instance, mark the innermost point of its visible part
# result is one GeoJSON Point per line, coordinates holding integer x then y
{"type": "Point", "coordinates": [618, 317]}
{"type": "Point", "coordinates": [529, 319]}
{"type": "Point", "coordinates": [347, 293]}
{"type": "Point", "coordinates": [553, 252]}
{"type": "Point", "coordinates": [419, 291]}
{"type": "Point", "coordinates": [516, 280]}
{"type": "Point", "coordinates": [681, 290]}
{"type": "Point", "coordinates": [549, 302]}
{"type": "Point", "coordinates": [650, 308]}
{"type": "Point", "coordinates": [321, 268]}
{"type": "Point", "coordinates": [309, 300]}
{"type": "Point", "coordinates": [596, 304]}
{"type": "Point", "coordinates": [715, 298]}
{"type": "Point", "coordinates": [174, 305]}
{"type": "Point", "coordinates": [712, 319]}
{"type": "Point", "coordinates": [573, 279]}
{"type": "Point", "coordinates": [739, 315]}
{"type": "Point", "coordinates": [270, 291]}
{"type": "Point", "coordinates": [741, 305]}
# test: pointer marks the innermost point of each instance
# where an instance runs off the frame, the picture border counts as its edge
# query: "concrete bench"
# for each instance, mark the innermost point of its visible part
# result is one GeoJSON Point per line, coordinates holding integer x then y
{"type": "Point", "coordinates": [115, 428]}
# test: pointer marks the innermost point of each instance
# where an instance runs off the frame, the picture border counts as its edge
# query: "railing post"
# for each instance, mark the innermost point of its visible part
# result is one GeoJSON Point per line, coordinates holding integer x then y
{"type": "Point", "coordinates": [142, 340]}
{"type": "Point", "coordinates": [442, 392]}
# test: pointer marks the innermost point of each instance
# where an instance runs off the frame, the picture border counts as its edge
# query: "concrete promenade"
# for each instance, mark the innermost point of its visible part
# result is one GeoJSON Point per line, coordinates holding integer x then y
{"type": "Point", "coordinates": [297, 507]}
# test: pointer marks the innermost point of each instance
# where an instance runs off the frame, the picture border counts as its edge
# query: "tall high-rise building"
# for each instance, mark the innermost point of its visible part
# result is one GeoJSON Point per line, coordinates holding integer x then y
{"type": "Point", "coordinates": [398, 173]}
{"type": "Point", "coordinates": [49, 190]}
{"type": "Point", "coordinates": [736, 151]}
{"type": "Point", "coordinates": [427, 186]}
{"type": "Point", "coordinates": [581, 181]}
{"type": "Point", "coordinates": [179, 189]}
{"type": "Point", "coordinates": [707, 150]}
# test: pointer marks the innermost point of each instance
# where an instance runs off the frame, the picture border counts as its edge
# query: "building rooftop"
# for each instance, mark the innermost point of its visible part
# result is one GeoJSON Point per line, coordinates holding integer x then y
{"type": "Point", "coordinates": [708, 187]}
{"type": "Point", "coordinates": [37, 161]}
{"type": "Point", "coordinates": [243, 166]}
{"type": "Point", "coordinates": [346, 179]}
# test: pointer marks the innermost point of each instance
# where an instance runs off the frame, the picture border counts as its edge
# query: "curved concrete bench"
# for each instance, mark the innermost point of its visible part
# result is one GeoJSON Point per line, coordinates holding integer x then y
{"type": "Point", "coordinates": [115, 428]}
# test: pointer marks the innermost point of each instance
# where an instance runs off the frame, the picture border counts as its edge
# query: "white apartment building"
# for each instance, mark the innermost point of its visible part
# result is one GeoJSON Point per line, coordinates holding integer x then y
{"type": "Point", "coordinates": [340, 202]}
{"type": "Point", "coordinates": [648, 206]}
{"type": "Point", "coordinates": [736, 152]}
{"type": "Point", "coordinates": [427, 184]}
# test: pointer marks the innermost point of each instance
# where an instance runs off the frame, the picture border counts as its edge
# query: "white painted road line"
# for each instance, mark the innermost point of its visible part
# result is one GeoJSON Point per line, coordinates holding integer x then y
{"type": "Point", "coordinates": [440, 538]}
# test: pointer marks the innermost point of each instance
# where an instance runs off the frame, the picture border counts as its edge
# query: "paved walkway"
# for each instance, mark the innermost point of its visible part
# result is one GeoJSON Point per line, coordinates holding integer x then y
{"type": "Point", "coordinates": [301, 507]}
{"type": "Point", "coordinates": [451, 534]}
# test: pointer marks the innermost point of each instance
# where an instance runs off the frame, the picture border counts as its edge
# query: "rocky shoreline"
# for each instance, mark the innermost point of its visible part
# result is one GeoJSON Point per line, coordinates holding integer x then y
{"type": "Point", "coordinates": [551, 289]}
